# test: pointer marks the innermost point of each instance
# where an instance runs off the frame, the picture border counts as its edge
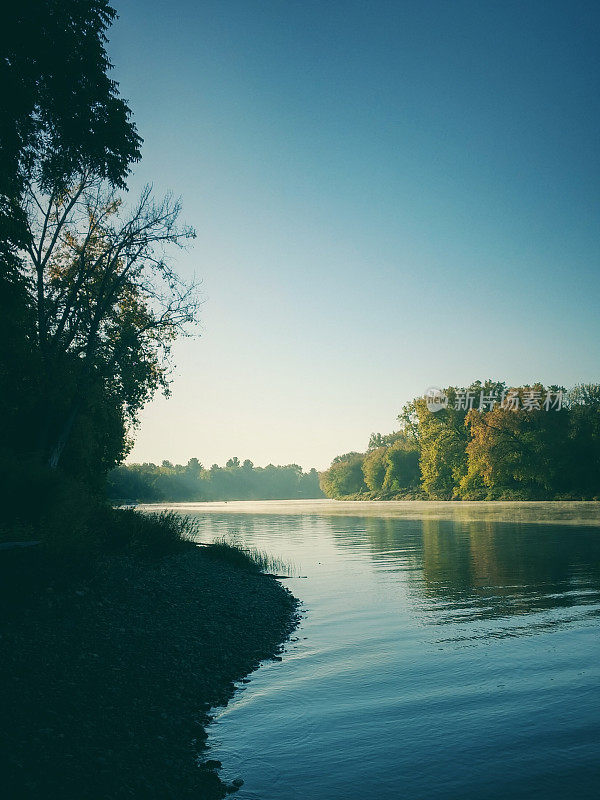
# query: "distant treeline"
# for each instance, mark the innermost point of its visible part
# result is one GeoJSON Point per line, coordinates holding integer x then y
{"type": "Point", "coordinates": [490, 442]}
{"type": "Point", "coordinates": [235, 481]}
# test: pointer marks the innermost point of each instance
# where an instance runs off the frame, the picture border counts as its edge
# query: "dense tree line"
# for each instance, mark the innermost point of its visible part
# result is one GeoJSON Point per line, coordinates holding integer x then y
{"type": "Point", "coordinates": [490, 442]}
{"type": "Point", "coordinates": [235, 481]}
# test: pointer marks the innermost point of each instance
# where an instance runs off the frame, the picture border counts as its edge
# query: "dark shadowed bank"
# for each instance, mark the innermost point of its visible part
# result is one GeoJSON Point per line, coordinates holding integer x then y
{"type": "Point", "coordinates": [107, 679]}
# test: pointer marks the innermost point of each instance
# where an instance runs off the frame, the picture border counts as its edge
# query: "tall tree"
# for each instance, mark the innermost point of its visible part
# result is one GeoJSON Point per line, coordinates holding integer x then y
{"type": "Point", "coordinates": [344, 476]}
{"type": "Point", "coordinates": [375, 464]}
{"type": "Point", "coordinates": [108, 303]}
{"type": "Point", "coordinates": [402, 471]}
{"type": "Point", "coordinates": [61, 113]}
{"type": "Point", "coordinates": [61, 116]}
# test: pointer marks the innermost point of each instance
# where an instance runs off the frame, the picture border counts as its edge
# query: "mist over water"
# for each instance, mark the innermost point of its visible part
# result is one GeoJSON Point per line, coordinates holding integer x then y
{"type": "Point", "coordinates": [448, 651]}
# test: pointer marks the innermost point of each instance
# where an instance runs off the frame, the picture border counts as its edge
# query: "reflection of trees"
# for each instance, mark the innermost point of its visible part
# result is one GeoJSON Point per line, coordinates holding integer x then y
{"type": "Point", "coordinates": [485, 568]}
{"type": "Point", "coordinates": [459, 568]}
{"type": "Point", "coordinates": [511, 569]}
{"type": "Point", "coordinates": [243, 527]}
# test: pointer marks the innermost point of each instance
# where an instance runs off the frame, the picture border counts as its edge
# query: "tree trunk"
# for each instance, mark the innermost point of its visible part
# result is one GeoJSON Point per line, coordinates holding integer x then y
{"type": "Point", "coordinates": [65, 435]}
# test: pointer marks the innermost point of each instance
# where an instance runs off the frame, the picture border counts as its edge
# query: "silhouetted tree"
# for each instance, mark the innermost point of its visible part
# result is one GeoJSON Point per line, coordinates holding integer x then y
{"type": "Point", "coordinates": [108, 304]}
{"type": "Point", "coordinates": [60, 112]}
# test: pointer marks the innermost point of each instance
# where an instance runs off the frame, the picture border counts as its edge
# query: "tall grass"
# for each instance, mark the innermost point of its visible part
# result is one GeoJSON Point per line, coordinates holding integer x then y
{"type": "Point", "coordinates": [156, 533]}
{"type": "Point", "coordinates": [249, 558]}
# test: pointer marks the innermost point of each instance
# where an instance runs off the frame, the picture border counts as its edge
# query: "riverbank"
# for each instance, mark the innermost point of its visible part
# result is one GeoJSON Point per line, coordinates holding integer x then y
{"type": "Point", "coordinates": [108, 679]}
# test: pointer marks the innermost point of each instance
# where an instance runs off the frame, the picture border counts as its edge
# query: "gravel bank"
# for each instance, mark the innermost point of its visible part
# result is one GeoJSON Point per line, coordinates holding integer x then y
{"type": "Point", "coordinates": [107, 680]}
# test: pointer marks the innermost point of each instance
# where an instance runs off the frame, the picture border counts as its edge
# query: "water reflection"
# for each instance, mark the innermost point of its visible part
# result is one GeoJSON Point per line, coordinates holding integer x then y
{"type": "Point", "coordinates": [484, 568]}
{"type": "Point", "coordinates": [489, 569]}
{"type": "Point", "coordinates": [453, 633]}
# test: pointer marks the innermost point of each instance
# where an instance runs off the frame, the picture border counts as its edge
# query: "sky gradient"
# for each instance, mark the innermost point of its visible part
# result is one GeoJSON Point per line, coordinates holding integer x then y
{"type": "Point", "coordinates": [387, 196]}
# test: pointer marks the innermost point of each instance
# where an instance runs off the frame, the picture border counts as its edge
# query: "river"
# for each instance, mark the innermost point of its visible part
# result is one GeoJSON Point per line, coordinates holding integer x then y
{"type": "Point", "coordinates": [447, 650]}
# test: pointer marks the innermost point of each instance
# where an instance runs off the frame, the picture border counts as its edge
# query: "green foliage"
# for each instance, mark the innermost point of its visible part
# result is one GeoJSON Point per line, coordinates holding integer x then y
{"type": "Point", "coordinates": [89, 305]}
{"type": "Point", "coordinates": [402, 470]}
{"type": "Point", "coordinates": [149, 483]}
{"type": "Point", "coordinates": [442, 439]}
{"type": "Point", "coordinates": [394, 469]}
{"type": "Point", "coordinates": [482, 454]}
{"type": "Point", "coordinates": [384, 439]}
{"type": "Point", "coordinates": [107, 307]}
{"type": "Point", "coordinates": [344, 477]}
{"type": "Point", "coordinates": [374, 467]}
{"type": "Point", "coordinates": [584, 434]}
{"type": "Point", "coordinates": [61, 112]}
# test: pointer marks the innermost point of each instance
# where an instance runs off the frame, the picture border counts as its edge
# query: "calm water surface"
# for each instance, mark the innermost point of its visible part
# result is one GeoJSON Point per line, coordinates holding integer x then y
{"type": "Point", "coordinates": [448, 651]}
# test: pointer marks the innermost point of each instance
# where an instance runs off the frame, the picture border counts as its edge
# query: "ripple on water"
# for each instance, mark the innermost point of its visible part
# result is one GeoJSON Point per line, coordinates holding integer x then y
{"type": "Point", "coordinates": [449, 655]}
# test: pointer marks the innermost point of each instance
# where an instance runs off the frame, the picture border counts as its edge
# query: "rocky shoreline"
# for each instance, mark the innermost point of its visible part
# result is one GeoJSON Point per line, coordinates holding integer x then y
{"type": "Point", "coordinates": [107, 680]}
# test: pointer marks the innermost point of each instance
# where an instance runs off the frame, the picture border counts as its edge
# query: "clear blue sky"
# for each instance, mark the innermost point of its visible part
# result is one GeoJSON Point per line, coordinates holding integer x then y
{"type": "Point", "coordinates": [388, 195]}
